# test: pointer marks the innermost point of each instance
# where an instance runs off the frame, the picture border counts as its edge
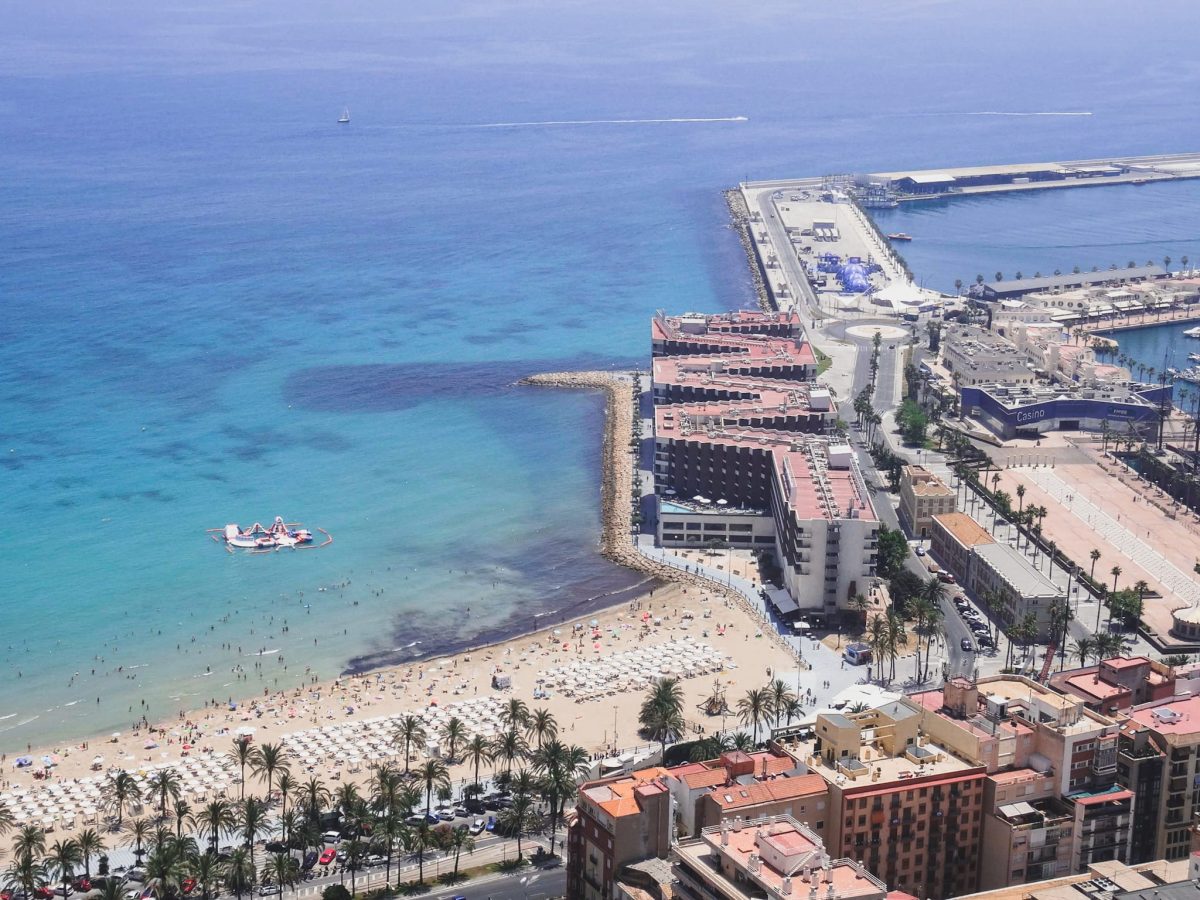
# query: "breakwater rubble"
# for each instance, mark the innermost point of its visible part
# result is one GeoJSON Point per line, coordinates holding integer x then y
{"type": "Point", "coordinates": [617, 506]}
{"type": "Point", "coordinates": [739, 213]}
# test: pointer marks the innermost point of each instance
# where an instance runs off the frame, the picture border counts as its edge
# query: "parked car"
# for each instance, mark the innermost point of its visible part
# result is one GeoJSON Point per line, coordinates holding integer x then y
{"type": "Point", "coordinates": [491, 823]}
{"type": "Point", "coordinates": [945, 578]}
{"type": "Point", "coordinates": [188, 885]}
{"type": "Point", "coordinates": [332, 837]}
{"type": "Point", "coordinates": [310, 860]}
{"type": "Point", "coordinates": [276, 847]}
{"type": "Point", "coordinates": [920, 551]}
{"type": "Point", "coordinates": [328, 856]}
{"type": "Point", "coordinates": [477, 826]}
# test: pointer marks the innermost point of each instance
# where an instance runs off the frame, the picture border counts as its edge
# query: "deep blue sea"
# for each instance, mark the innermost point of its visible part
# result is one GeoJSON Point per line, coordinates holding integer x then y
{"type": "Point", "coordinates": [218, 305]}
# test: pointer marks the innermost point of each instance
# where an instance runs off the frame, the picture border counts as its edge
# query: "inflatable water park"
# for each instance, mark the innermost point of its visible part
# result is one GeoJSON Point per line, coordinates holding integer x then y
{"type": "Point", "coordinates": [259, 539]}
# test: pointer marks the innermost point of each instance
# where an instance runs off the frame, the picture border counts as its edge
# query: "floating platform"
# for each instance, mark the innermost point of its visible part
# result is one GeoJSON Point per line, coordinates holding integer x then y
{"type": "Point", "coordinates": [280, 535]}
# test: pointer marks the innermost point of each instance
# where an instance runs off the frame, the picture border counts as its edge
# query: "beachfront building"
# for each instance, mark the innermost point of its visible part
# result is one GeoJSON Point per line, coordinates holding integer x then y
{"type": "Point", "coordinates": [922, 496]}
{"type": "Point", "coordinates": [907, 806]}
{"type": "Point", "coordinates": [616, 821]}
{"type": "Point", "coordinates": [774, 857]}
{"type": "Point", "coordinates": [742, 457]}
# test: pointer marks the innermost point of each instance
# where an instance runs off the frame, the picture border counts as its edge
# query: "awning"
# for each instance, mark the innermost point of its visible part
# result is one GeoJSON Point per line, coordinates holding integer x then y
{"type": "Point", "coordinates": [782, 601]}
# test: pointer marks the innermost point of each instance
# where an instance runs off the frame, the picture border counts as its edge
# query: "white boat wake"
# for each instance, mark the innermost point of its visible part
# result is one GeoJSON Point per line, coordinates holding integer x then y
{"type": "Point", "coordinates": [990, 112]}
{"type": "Point", "coordinates": [609, 122]}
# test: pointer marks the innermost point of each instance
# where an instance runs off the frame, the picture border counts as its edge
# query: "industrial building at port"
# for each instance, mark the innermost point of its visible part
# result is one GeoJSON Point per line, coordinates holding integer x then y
{"type": "Point", "coordinates": [744, 457]}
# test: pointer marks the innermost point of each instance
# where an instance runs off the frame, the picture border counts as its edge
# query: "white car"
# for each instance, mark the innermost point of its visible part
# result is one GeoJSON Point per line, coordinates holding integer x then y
{"type": "Point", "coordinates": [477, 826]}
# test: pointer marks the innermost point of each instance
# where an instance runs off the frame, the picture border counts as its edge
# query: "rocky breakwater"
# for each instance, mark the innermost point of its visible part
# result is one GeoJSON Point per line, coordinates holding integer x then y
{"type": "Point", "coordinates": [739, 214]}
{"type": "Point", "coordinates": [620, 492]}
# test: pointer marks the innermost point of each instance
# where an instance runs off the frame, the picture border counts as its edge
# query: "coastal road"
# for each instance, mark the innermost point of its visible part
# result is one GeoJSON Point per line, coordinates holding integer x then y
{"type": "Point", "coordinates": [886, 395]}
{"type": "Point", "coordinates": [801, 294]}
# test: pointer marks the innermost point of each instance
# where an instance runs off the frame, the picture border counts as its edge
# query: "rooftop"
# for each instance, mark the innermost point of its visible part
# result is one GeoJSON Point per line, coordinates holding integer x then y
{"type": "Point", "coordinates": [1012, 566]}
{"type": "Point", "coordinates": [1176, 716]}
{"type": "Point", "coordinates": [620, 796]}
{"type": "Point", "coordinates": [773, 853]}
{"type": "Point", "coordinates": [925, 484]}
{"type": "Point", "coordinates": [964, 529]}
{"type": "Point", "coordinates": [735, 796]}
{"type": "Point", "coordinates": [1049, 282]}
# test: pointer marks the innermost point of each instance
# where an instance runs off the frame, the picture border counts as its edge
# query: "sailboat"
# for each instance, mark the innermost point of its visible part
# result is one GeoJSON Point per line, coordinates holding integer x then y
{"type": "Point", "coordinates": [344, 118]}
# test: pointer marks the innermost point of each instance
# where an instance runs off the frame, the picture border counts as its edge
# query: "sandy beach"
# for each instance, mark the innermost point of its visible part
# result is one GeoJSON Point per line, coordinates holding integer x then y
{"type": "Point", "coordinates": [590, 674]}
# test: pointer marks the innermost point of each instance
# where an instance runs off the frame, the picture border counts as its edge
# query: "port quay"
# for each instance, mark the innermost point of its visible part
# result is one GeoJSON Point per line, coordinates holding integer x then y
{"type": "Point", "coordinates": [791, 223]}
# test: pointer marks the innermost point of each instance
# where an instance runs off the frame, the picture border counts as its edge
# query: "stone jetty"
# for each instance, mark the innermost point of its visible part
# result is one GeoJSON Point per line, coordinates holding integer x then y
{"type": "Point", "coordinates": [619, 462]}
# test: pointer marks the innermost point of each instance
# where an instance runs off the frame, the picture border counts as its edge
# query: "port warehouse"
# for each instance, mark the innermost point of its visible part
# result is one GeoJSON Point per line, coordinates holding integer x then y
{"type": "Point", "coordinates": [1024, 412]}
{"type": "Point", "coordinates": [935, 182]}
{"type": "Point", "coordinates": [1019, 287]}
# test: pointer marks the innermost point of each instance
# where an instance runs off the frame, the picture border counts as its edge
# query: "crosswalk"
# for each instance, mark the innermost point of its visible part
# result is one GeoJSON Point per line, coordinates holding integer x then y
{"type": "Point", "coordinates": [1162, 569]}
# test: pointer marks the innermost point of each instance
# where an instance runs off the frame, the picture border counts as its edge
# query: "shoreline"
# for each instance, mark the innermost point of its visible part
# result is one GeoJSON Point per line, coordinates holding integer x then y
{"type": "Point", "coordinates": [665, 611]}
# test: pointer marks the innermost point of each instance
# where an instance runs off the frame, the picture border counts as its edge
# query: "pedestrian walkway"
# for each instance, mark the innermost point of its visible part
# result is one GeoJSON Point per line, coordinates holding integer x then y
{"type": "Point", "coordinates": [1120, 537]}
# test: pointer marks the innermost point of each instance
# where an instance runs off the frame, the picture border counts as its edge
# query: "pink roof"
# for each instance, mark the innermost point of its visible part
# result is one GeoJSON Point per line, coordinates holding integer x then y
{"type": "Point", "coordinates": [1121, 662]}
{"type": "Point", "coordinates": [1185, 721]}
{"type": "Point", "coordinates": [1104, 798]}
{"type": "Point", "coordinates": [1091, 685]}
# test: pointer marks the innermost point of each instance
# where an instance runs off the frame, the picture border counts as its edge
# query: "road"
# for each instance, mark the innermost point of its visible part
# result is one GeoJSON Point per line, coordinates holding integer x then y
{"type": "Point", "coordinates": [958, 661]}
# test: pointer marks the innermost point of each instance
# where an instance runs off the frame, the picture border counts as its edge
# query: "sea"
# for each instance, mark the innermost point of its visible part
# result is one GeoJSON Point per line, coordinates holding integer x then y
{"type": "Point", "coordinates": [219, 305]}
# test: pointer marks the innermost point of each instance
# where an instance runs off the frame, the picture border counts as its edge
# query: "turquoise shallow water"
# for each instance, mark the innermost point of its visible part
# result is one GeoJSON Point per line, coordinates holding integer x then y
{"type": "Point", "coordinates": [217, 305]}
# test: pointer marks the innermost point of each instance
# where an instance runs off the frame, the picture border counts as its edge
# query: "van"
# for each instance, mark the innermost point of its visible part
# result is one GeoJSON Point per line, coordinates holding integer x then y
{"type": "Point", "coordinates": [332, 837]}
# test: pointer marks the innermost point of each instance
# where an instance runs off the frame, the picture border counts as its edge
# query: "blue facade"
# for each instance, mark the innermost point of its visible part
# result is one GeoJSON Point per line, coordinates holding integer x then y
{"type": "Point", "coordinates": [1080, 413]}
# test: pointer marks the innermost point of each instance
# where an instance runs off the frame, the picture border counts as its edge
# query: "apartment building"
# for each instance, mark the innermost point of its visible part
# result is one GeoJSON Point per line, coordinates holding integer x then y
{"type": "Point", "coordinates": [1115, 685]}
{"type": "Point", "coordinates": [922, 496]}
{"type": "Point", "coordinates": [953, 536]}
{"type": "Point", "coordinates": [1018, 589]}
{"type": "Point", "coordinates": [616, 821]}
{"type": "Point", "coordinates": [1168, 735]}
{"type": "Point", "coordinates": [774, 857]}
{"type": "Point", "coordinates": [907, 807]}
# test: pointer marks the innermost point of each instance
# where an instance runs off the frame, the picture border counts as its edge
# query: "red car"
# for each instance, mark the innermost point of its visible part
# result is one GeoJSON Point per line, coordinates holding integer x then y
{"type": "Point", "coordinates": [328, 856]}
{"type": "Point", "coordinates": [43, 893]}
{"type": "Point", "coordinates": [189, 885]}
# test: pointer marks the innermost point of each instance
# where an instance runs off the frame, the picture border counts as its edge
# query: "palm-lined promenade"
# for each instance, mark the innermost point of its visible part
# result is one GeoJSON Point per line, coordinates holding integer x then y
{"type": "Point", "coordinates": [410, 736]}
{"type": "Point", "coordinates": [385, 817]}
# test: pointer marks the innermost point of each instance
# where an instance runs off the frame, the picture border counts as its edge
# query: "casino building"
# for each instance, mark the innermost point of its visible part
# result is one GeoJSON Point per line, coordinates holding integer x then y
{"type": "Point", "coordinates": [1012, 411]}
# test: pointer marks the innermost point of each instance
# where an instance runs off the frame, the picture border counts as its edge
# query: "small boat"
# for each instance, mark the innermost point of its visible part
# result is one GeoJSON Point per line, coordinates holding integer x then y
{"type": "Point", "coordinates": [344, 118]}
{"type": "Point", "coordinates": [1192, 332]}
{"type": "Point", "coordinates": [1138, 181]}
{"type": "Point", "coordinates": [1192, 373]}
{"type": "Point", "coordinates": [899, 236]}
{"type": "Point", "coordinates": [1194, 357]}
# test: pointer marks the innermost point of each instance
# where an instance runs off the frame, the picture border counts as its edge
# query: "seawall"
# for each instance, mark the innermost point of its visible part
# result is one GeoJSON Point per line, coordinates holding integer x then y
{"type": "Point", "coordinates": [618, 462]}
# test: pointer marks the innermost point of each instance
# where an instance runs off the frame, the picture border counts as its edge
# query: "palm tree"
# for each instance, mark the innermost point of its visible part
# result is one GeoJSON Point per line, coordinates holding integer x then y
{"type": "Point", "coordinates": [286, 785]}
{"type": "Point", "coordinates": [435, 774]}
{"type": "Point", "coordinates": [119, 791]}
{"type": "Point", "coordinates": [240, 873]}
{"type": "Point", "coordinates": [417, 841]}
{"type": "Point", "coordinates": [315, 797]}
{"type": "Point", "coordinates": [755, 708]}
{"type": "Point", "coordinates": [896, 636]}
{"type": "Point", "coordinates": [27, 872]}
{"type": "Point", "coordinates": [163, 785]}
{"type": "Point", "coordinates": [240, 756]}
{"type": "Point", "coordinates": [182, 812]}
{"type": "Point", "coordinates": [408, 732]}
{"type": "Point", "coordinates": [460, 839]}
{"type": "Point", "coordinates": [205, 869]}
{"type": "Point", "coordinates": [477, 751]}
{"type": "Point", "coordinates": [252, 822]}
{"type": "Point", "coordinates": [386, 785]}
{"type": "Point", "coordinates": [780, 695]}
{"type": "Point", "coordinates": [454, 732]}
{"type": "Point", "coordinates": [519, 819]}
{"type": "Point", "coordinates": [515, 714]}
{"type": "Point", "coordinates": [90, 844]}
{"type": "Point", "coordinates": [267, 760]}
{"type": "Point", "coordinates": [7, 819]}
{"type": "Point", "coordinates": [140, 831]}
{"type": "Point", "coordinates": [166, 867]}
{"type": "Point", "coordinates": [661, 713]}
{"type": "Point", "coordinates": [215, 817]}
{"type": "Point", "coordinates": [560, 766]}
{"type": "Point", "coordinates": [282, 869]}
{"type": "Point", "coordinates": [509, 746]}
{"type": "Point", "coordinates": [1115, 572]}
{"type": "Point", "coordinates": [62, 860]}
{"type": "Point", "coordinates": [542, 726]}
{"type": "Point", "coordinates": [1094, 556]}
